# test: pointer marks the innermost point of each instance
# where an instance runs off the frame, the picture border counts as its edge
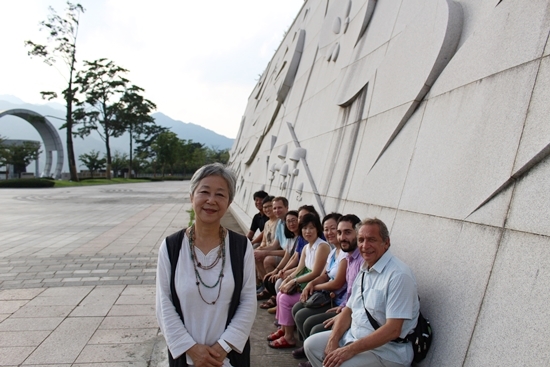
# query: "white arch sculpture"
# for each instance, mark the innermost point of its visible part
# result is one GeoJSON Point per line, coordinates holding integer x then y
{"type": "Point", "coordinates": [49, 135]}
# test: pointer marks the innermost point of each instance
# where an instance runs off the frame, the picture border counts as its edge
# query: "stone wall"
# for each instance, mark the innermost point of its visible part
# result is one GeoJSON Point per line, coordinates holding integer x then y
{"type": "Point", "coordinates": [433, 116]}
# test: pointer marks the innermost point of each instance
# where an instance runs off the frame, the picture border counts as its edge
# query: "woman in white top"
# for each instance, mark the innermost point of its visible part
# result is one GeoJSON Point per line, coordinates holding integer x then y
{"type": "Point", "coordinates": [206, 298]}
{"type": "Point", "coordinates": [311, 265]}
{"type": "Point", "coordinates": [332, 280]}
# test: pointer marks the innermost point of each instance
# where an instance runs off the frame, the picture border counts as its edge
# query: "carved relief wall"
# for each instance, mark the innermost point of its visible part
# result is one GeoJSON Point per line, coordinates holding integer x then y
{"type": "Point", "coordinates": [433, 116]}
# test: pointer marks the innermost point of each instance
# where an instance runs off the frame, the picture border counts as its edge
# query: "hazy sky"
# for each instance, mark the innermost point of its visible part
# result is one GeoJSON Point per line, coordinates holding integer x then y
{"type": "Point", "coordinates": [197, 60]}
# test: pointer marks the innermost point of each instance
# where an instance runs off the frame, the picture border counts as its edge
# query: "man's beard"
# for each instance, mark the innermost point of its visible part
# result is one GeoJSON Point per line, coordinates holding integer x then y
{"type": "Point", "coordinates": [350, 246]}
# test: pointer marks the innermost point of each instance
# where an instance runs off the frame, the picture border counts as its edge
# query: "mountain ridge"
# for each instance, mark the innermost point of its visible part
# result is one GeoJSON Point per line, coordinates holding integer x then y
{"type": "Point", "coordinates": [12, 127]}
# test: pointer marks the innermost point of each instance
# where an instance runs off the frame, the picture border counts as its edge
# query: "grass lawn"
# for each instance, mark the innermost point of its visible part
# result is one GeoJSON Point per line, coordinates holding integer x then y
{"type": "Point", "coordinates": [98, 181]}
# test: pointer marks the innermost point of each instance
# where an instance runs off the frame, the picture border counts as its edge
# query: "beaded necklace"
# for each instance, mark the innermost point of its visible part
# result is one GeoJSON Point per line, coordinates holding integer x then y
{"type": "Point", "coordinates": [196, 263]}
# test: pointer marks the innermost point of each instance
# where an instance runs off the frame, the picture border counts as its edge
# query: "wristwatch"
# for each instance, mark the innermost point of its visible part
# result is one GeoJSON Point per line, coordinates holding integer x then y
{"type": "Point", "coordinates": [224, 345]}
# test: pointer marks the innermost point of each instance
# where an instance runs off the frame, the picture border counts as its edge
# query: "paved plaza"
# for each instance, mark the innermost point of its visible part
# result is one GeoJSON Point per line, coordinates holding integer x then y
{"type": "Point", "coordinates": [77, 276]}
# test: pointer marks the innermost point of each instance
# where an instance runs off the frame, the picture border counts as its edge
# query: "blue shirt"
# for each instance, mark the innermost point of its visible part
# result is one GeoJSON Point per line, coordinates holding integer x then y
{"type": "Point", "coordinates": [389, 292]}
{"type": "Point", "coordinates": [280, 234]}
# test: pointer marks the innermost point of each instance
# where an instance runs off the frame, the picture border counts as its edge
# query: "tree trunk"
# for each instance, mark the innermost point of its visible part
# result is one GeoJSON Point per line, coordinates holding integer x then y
{"type": "Point", "coordinates": [108, 148]}
{"type": "Point", "coordinates": [130, 161]}
{"type": "Point", "coordinates": [69, 124]}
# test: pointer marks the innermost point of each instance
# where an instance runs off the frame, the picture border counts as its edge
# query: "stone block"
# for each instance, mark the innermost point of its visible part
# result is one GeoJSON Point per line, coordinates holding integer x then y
{"type": "Point", "coordinates": [66, 343]}
{"type": "Point", "coordinates": [452, 292]}
{"type": "Point", "coordinates": [488, 51]}
{"type": "Point", "coordinates": [43, 311]}
{"type": "Point", "coordinates": [68, 300]}
{"type": "Point", "coordinates": [30, 324]}
{"type": "Point", "coordinates": [129, 322]}
{"type": "Point", "coordinates": [66, 291]}
{"type": "Point", "coordinates": [530, 206]}
{"type": "Point", "coordinates": [22, 338]}
{"type": "Point", "coordinates": [514, 317]}
{"type": "Point", "coordinates": [382, 184]}
{"type": "Point", "coordinates": [98, 302]}
{"type": "Point", "coordinates": [461, 161]}
{"type": "Point", "coordinates": [148, 299]}
{"type": "Point", "coordinates": [123, 336]}
{"type": "Point", "coordinates": [11, 306]}
{"type": "Point", "coordinates": [14, 356]}
{"type": "Point", "coordinates": [20, 294]}
{"type": "Point", "coordinates": [535, 139]}
{"type": "Point", "coordinates": [116, 353]}
{"type": "Point", "coordinates": [132, 310]}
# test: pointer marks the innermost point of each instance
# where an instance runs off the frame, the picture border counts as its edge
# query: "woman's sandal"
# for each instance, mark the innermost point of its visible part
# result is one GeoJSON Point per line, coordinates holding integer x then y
{"type": "Point", "coordinates": [281, 343]}
{"type": "Point", "coordinates": [263, 295]}
{"type": "Point", "coordinates": [269, 303]}
{"type": "Point", "coordinates": [276, 335]}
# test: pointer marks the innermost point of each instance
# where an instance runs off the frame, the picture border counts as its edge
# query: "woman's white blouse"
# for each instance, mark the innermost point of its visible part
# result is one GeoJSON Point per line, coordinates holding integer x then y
{"type": "Point", "coordinates": [311, 250]}
{"type": "Point", "coordinates": [204, 323]}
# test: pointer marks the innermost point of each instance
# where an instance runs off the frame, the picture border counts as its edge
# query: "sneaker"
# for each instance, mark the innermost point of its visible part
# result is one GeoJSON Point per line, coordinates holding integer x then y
{"type": "Point", "coordinates": [260, 289]}
{"type": "Point", "coordinates": [299, 353]}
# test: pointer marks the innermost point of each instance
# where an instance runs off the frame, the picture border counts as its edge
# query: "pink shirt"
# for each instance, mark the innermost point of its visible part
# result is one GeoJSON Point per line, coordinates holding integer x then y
{"type": "Point", "coordinates": [354, 265]}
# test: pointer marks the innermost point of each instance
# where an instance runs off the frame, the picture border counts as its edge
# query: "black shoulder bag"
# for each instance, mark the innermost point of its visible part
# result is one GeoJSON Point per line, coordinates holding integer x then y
{"type": "Point", "coordinates": [421, 337]}
{"type": "Point", "coordinates": [237, 250]}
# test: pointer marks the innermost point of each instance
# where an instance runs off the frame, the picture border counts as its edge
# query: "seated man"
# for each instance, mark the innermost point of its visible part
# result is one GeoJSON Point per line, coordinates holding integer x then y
{"type": "Point", "coordinates": [386, 288]}
{"type": "Point", "coordinates": [271, 255]}
{"type": "Point", "coordinates": [259, 219]}
{"type": "Point", "coordinates": [269, 242]}
{"type": "Point", "coordinates": [310, 322]}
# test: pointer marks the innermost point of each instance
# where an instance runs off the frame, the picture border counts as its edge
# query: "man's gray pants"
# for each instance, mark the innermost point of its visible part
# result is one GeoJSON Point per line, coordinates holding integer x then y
{"type": "Point", "coordinates": [314, 347]}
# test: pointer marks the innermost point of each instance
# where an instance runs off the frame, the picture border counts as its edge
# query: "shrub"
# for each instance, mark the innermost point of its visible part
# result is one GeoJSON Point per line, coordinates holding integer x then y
{"type": "Point", "coordinates": [92, 178]}
{"type": "Point", "coordinates": [27, 183]}
{"type": "Point", "coordinates": [172, 178]}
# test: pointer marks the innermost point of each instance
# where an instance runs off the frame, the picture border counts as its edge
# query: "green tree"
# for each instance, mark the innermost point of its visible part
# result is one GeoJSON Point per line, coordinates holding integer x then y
{"type": "Point", "coordinates": [119, 162]}
{"type": "Point", "coordinates": [102, 84]}
{"type": "Point", "coordinates": [92, 161]}
{"type": "Point", "coordinates": [19, 155]}
{"type": "Point", "coordinates": [144, 141]}
{"type": "Point", "coordinates": [4, 155]}
{"type": "Point", "coordinates": [62, 36]}
{"type": "Point", "coordinates": [140, 164]}
{"type": "Point", "coordinates": [167, 148]}
{"type": "Point", "coordinates": [216, 155]}
{"type": "Point", "coordinates": [134, 113]}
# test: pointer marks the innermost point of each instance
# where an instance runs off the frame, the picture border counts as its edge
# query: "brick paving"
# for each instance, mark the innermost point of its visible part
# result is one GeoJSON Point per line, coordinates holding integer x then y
{"type": "Point", "coordinates": [77, 275]}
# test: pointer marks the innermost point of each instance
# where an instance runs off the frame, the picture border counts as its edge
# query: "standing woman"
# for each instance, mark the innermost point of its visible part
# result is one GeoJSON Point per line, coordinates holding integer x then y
{"type": "Point", "coordinates": [206, 297]}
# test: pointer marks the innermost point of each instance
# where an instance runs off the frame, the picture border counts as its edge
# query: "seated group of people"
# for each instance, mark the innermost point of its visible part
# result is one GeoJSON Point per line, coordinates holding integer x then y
{"type": "Point", "coordinates": [344, 264]}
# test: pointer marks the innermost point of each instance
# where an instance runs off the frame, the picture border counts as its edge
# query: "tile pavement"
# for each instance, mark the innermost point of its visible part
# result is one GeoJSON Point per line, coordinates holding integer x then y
{"type": "Point", "coordinates": [77, 275]}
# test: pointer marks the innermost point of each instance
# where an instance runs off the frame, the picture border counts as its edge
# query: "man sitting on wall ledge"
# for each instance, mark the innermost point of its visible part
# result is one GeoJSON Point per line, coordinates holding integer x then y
{"type": "Point", "coordinates": [259, 219]}
{"type": "Point", "coordinates": [386, 288]}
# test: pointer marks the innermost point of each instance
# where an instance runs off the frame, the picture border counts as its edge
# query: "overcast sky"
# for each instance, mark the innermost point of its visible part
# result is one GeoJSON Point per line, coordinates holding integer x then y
{"type": "Point", "coordinates": [197, 60]}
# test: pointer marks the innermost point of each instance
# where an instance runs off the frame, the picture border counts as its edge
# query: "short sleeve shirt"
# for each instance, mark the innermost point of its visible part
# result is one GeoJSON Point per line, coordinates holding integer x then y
{"type": "Point", "coordinates": [280, 234]}
{"type": "Point", "coordinates": [389, 292]}
{"type": "Point", "coordinates": [258, 222]}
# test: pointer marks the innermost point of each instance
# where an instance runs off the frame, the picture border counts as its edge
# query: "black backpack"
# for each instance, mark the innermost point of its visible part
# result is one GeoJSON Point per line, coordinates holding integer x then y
{"type": "Point", "coordinates": [421, 337]}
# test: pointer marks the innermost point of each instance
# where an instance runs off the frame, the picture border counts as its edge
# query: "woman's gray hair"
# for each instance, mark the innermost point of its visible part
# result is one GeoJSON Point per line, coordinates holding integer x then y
{"type": "Point", "coordinates": [215, 169]}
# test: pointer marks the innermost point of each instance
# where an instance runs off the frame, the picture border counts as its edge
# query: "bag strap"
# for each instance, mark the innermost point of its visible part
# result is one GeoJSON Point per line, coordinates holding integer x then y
{"type": "Point", "coordinates": [372, 321]}
{"type": "Point", "coordinates": [237, 250]}
{"type": "Point", "coordinates": [173, 245]}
